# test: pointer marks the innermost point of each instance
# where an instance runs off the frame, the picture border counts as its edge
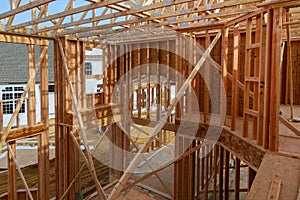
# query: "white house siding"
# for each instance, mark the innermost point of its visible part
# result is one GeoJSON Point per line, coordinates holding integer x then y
{"type": "Point", "coordinates": [23, 116]}
{"type": "Point", "coordinates": [95, 58]}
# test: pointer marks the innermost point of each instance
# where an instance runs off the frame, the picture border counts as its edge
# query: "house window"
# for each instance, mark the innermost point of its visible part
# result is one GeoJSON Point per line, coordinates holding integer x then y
{"type": "Point", "coordinates": [18, 96]}
{"type": "Point", "coordinates": [14, 96]}
{"type": "Point", "coordinates": [50, 88]}
{"type": "Point", "coordinates": [88, 68]}
{"type": "Point", "coordinates": [18, 89]}
{"type": "Point", "coordinates": [8, 107]}
{"type": "Point", "coordinates": [7, 89]}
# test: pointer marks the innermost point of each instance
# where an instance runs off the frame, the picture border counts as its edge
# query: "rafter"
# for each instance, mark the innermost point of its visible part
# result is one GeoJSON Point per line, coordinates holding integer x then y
{"type": "Point", "coordinates": [63, 14]}
{"type": "Point", "coordinates": [111, 15]}
{"type": "Point", "coordinates": [164, 23]}
{"type": "Point", "coordinates": [11, 18]}
{"type": "Point", "coordinates": [23, 8]}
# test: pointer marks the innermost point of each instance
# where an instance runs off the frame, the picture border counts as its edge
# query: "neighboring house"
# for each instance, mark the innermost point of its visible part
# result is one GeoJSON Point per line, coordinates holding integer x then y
{"type": "Point", "coordinates": [14, 77]}
{"type": "Point", "coordinates": [93, 70]}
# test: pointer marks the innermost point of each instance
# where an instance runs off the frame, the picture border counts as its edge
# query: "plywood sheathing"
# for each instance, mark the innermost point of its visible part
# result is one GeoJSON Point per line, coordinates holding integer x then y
{"type": "Point", "coordinates": [276, 165]}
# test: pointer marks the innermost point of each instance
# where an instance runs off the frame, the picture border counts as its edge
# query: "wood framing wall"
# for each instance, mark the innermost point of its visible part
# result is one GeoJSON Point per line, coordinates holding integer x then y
{"type": "Point", "coordinates": [258, 69]}
{"type": "Point", "coordinates": [66, 153]}
{"type": "Point", "coordinates": [40, 131]}
{"type": "Point", "coordinates": [249, 61]}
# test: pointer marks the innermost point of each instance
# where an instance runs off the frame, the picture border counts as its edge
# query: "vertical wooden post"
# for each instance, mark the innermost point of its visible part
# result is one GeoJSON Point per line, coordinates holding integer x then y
{"type": "Point", "coordinates": [18, 116]}
{"type": "Point", "coordinates": [59, 84]}
{"type": "Point", "coordinates": [289, 66]}
{"type": "Point", "coordinates": [43, 138]}
{"type": "Point", "coordinates": [168, 87]}
{"type": "Point", "coordinates": [206, 169]}
{"type": "Point", "coordinates": [234, 94]}
{"type": "Point", "coordinates": [31, 107]}
{"type": "Point", "coordinates": [139, 93]}
{"type": "Point", "coordinates": [12, 185]}
{"type": "Point", "coordinates": [226, 183]}
{"type": "Point", "coordinates": [80, 86]}
{"type": "Point", "coordinates": [224, 69]}
{"type": "Point", "coordinates": [178, 66]}
{"type": "Point", "coordinates": [130, 80]}
{"type": "Point", "coordinates": [237, 179]}
{"type": "Point", "coordinates": [221, 173]}
{"type": "Point", "coordinates": [148, 83]}
{"type": "Point", "coordinates": [260, 130]}
{"type": "Point", "coordinates": [216, 157]}
{"type": "Point", "coordinates": [106, 69]}
{"type": "Point", "coordinates": [207, 81]}
{"type": "Point", "coordinates": [247, 75]}
{"type": "Point", "coordinates": [202, 183]}
{"type": "Point", "coordinates": [158, 88]}
{"type": "Point", "coordinates": [275, 78]}
{"type": "Point", "coordinates": [198, 169]}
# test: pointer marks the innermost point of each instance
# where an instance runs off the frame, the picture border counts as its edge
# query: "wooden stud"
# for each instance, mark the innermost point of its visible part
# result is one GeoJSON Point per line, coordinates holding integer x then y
{"type": "Point", "coordinates": [257, 67]}
{"type": "Point", "coordinates": [237, 179]}
{"type": "Point", "coordinates": [12, 153]}
{"type": "Point", "coordinates": [12, 185]}
{"type": "Point", "coordinates": [226, 183]}
{"type": "Point", "coordinates": [43, 139]}
{"type": "Point", "coordinates": [78, 115]}
{"type": "Point", "coordinates": [148, 83]}
{"type": "Point", "coordinates": [31, 103]}
{"type": "Point", "coordinates": [275, 79]}
{"type": "Point", "coordinates": [206, 169]}
{"type": "Point", "coordinates": [221, 173]}
{"type": "Point", "coordinates": [235, 69]}
{"type": "Point", "coordinates": [289, 66]}
{"type": "Point", "coordinates": [224, 69]}
{"type": "Point", "coordinates": [216, 157]}
{"type": "Point", "coordinates": [120, 185]}
{"type": "Point", "coordinates": [178, 73]}
{"type": "Point", "coordinates": [207, 74]}
{"type": "Point", "coordinates": [247, 74]}
{"type": "Point", "coordinates": [261, 105]}
{"type": "Point", "coordinates": [139, 90]}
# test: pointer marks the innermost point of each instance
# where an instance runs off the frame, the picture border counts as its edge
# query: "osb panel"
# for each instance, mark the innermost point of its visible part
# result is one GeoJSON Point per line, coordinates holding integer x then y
{"type": "Point", "coordinates": [276, 165]}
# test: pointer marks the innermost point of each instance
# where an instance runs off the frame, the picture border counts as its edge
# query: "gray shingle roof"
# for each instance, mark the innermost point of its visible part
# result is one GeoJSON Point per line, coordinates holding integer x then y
{"type": "Point", "coordinates": [14, 63]}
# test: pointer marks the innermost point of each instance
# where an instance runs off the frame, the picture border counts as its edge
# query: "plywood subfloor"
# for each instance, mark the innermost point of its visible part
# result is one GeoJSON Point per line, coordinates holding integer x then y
{"type": "Point", "coordinates": [287, 169]}
{"type": "Point", "coordinates": [134, 195]}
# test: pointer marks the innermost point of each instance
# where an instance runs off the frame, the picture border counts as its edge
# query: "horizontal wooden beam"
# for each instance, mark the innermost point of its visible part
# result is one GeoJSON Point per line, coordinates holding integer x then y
{"type": "Point", "coordinates": [16, 134]}
{"type": "Point", "coordinates": [243, 149]}
{"type": "Point", "coordinates": [23, 8]}
{"type": "Point", "coordinates": [22, 39]}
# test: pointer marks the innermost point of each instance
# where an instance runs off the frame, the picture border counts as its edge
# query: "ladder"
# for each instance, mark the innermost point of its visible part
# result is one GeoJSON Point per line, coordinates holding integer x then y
{"type": "Point", "coordinates": [252, 75]}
